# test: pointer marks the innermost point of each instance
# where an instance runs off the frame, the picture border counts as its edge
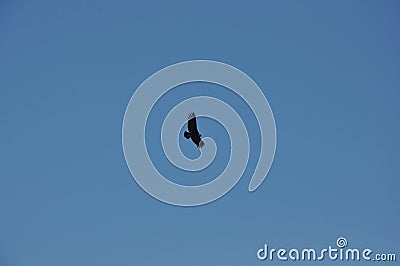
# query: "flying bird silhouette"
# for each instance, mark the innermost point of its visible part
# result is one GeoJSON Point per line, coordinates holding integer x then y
{"type": "Point", "coordinates": [193, 132]}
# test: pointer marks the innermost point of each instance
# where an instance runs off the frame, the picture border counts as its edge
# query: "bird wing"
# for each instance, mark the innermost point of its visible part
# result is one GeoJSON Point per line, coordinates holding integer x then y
{"type": "Point", "coordinates": [192, 124]}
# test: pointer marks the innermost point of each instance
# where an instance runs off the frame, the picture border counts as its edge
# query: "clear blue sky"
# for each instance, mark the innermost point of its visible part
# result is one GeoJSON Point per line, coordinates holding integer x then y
{"type": "Point", "coordinates": [330, 70]}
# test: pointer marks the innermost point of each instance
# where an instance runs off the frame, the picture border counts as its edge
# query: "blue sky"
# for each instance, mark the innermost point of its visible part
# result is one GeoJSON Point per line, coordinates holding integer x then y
{"type": "Point", "coordinates": [330, 71]}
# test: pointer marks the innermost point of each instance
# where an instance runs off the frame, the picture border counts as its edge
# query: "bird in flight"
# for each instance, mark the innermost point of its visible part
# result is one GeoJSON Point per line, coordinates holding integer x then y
{"type": "Point", "coordinates": [193, 132]}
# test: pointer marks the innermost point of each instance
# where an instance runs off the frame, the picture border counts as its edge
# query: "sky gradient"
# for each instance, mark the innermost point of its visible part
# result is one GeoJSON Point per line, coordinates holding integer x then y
{"type": "Point", "coordinates": [329, 69]}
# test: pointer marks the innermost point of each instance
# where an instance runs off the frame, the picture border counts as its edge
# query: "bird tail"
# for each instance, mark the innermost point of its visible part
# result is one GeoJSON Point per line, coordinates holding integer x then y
{"type": "Point", "coordinates": [186, 134]}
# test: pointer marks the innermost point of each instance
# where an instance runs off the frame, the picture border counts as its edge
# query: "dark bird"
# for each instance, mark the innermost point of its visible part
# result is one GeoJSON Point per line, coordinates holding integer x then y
{"type": "Point", "coordinates": [193, 132]}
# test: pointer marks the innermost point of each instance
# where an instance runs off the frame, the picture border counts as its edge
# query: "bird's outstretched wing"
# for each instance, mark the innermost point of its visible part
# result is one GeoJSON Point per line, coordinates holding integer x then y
{"type": "Point", "coordinates": [201, 144]}
{"type": "Point", "coordinates": [192, 125]}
